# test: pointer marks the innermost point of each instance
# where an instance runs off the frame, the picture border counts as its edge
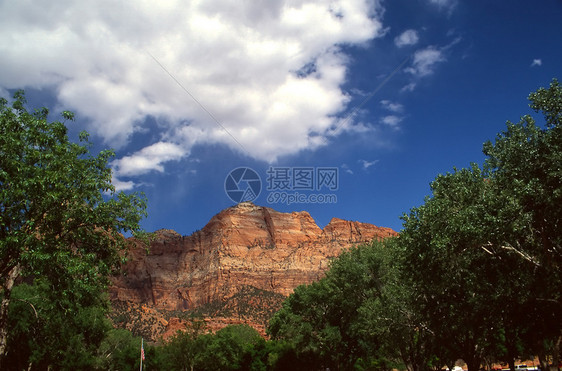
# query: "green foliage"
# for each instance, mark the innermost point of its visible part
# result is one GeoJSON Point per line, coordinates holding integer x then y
{"type": "Point", "coordinates": [56, 221]}
{"type": "Point", "coordinates": [476, 272]}
{"type": "Point", "coordinates": [235, 347]}
{"type": "Point", "coordinates": [483, 253]}
{"type": "Point", "coordinates": [225, 350]}
{"type": "Point", "coordinates": [42, 335]}
{"type": "Point", "coordinates": [120, 350]}
{"type": "Point", "coordinates": [405, 341]}
{"type": "Point", "coordinates": [183, 350]}
{"type": "Point", "coordinates": [525, 165]}
{"type": "Point", "coordinates": [454, 279]}
{"type": "Point", "coordinates": [60, 218]}
{"type": "Point", "coordinates": [327, 323]}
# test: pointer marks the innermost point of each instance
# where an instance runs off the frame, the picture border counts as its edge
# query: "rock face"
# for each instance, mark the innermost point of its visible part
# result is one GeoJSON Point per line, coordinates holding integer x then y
{"type": "Point", "coordinates": [245, 247]}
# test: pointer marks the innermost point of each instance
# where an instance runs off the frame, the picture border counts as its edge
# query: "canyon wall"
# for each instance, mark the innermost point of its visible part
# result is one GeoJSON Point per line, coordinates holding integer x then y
{"type": "Point", "coordinates": [244, 249]}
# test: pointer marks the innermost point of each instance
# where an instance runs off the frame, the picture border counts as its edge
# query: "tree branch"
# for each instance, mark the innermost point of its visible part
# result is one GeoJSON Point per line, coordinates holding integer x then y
{"type": "Point", "coordinates": [511, 248]}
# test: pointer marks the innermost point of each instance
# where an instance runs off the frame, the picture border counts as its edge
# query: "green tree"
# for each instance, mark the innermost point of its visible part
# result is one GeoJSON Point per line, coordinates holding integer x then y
{"type": "Point", "coordinates": [42, 335]}
{"type": "Point", "coordinates": [304, 322]}
{"type": "Point", "coordinates": [329, 323]}
{"type": "Point", "coordinates": [228, 348]}
{"type": "Point", "coordinates": [181, 351]}
{"type": "Point", "coordinates": [60, 217]}
{"type": "Point", "coordinates": [235, 347]}
{"type": "Point", "coordinates": [476, 272]}
{"type": "Point", "coordinates": [458, 286]}
{"type": "Point", "coordinates": [405, 340]}
{"type": "Point", "coordinates": [525, 163]}
{"type": "Point", "coordinates": [484, 252]}
{"type": "Point", "coordinates": [120, 350]}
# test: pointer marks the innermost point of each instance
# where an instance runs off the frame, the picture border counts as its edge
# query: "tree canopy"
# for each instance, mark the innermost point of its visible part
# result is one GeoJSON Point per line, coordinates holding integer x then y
{"type": "Point", "coordinates": [61, 221]}
{"type": "Point", "coordinates": [474, 274]}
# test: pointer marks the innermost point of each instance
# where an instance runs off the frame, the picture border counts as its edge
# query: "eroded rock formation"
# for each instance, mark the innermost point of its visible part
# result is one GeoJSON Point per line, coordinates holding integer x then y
{"type": "Point", "coordinates": [245, 259]}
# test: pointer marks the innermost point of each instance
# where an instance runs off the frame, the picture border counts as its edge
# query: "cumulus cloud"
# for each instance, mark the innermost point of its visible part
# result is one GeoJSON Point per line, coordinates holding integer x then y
{"type": "Point", "coordinates": [122, 185]}
{"type": "Point", "coordinates": [268, 74]}
{"type": "Point", "coordinates": [408, 37]}
{"type": "Point", "coordinates": [146, 160]}
{"type": "Point", "coordinates": [425, 61]}
{"type": "Point", "coordinates": [536, 63]}
{"type": "Point", "coordinates": [392, 106]}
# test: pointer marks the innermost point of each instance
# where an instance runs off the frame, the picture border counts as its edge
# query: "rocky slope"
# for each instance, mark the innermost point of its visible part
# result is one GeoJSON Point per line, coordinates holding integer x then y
{"type": "Point", "coordinates": [237, 269]}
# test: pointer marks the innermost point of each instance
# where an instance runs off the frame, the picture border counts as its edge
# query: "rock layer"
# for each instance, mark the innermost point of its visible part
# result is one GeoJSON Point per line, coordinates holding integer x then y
{"type": "Point", "coordinates": [242, 246]}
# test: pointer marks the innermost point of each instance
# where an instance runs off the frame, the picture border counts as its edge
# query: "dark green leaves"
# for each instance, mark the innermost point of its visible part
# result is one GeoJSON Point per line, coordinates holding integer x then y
{"type": "Point", "coordinates": [476, 272]}
{"type": "Point", "coordinates": [60, 219]}
{"type": "Point", "coordinates": [549, 102]}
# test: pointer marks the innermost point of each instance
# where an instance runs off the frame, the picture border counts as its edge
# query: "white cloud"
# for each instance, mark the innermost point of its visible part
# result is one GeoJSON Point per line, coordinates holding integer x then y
{"type": "Point", "coordinates": [367, 164]}
{"type": "Point", "coordinates": [408, 37]}
{"type": "Point", "coordinates": [391, 120]}
{"type": "Point", "coordinates": [536, 62]}
{"type": "Point", "coordinates": [244, 62]}
{"type": "Point", "coordinates": [408, 87]}
{"type": "Point", "coordinates": [146, 160]}
{"type": "Point", "coordinates": [346, 169]}
{"type": "Point", "coordinates": [392, 106]}
{"type": "Point", "coordinates": [441, 2]}
{"type": "Point", "coordinates": [122, 185]}
{"type": "Point", "coordinates": [394, 119]}
{"type": "Point", "coordinates": [425, 60]}
{"type": "Point", "coordinates": [447, 5]}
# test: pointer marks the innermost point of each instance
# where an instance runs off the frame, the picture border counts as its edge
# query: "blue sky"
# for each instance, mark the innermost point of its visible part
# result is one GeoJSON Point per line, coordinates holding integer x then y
{"type": "Point", "coordinates": [385, 94]}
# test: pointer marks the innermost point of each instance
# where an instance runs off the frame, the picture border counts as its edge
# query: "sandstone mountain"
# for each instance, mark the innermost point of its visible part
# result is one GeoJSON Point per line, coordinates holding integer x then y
{"type": "Point", "coordinates": [237, 269]}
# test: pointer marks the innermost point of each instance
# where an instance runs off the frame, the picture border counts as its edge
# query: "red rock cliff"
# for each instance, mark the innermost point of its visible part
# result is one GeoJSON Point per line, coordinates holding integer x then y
{"type": "Point", "coordinates": [242, 246]}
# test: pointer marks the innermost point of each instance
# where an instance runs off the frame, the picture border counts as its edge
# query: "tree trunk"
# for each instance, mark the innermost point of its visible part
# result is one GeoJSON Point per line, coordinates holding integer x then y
{"type": "Point", "coordinates": [474, 365]}
{"type": "Point", "coordinates": [7, 286]}
{"type": "Point", "coordinates": [471, 354]}
{"type": "Point", "coordinates": [511, 362]}
{"type": "Point", "coordinates": [473, 362]}
{"type": "Point", "coordinates": [556, 353]}
{"type": "Point", "coordinates": [543, 361]}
